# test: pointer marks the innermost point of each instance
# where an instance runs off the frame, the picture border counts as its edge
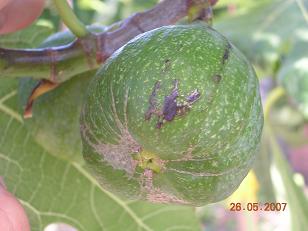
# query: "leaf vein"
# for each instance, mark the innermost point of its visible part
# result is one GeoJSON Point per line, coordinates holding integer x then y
{"type": "Point", "coordinates": [7, 96]}
{"type": "Point", "coordinates": [11, 113]}
{"type": "Point", "coordinates": [114, 198]}
{"type": "Point", "coordinates": [92, 203]}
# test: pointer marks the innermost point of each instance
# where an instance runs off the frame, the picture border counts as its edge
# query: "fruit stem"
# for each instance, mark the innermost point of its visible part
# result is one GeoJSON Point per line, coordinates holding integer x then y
{"type": "Point", "coordinates": [70, 19]}
{"type": "Point", "coordinates": [272, 98]}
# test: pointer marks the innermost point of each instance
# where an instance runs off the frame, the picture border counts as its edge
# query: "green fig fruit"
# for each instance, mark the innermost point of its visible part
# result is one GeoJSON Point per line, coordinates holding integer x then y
{"type": "Point", "coordinates": [174, 116]}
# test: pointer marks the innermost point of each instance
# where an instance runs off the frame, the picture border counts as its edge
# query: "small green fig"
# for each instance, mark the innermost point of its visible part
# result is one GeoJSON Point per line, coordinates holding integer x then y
{"type": "Point", "coordinates": [174, 116]}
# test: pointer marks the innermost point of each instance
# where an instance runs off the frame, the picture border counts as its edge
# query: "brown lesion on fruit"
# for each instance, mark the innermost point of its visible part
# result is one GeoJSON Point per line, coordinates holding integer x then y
{"type": "Point", "coordinates": [153, 102]}
{"type": "Point", "coordinates": [167, 65]}
{"type": "Point", "coordinates": [171, 107]}
{"type": "Point", "coordinates": [226, 53]}
{"type": "Point", "coordinates": [216, 78]}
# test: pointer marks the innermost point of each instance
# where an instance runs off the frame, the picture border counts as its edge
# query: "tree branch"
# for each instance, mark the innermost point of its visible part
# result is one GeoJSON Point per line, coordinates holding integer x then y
{"type": "Point", "coordinates": [59, 64]}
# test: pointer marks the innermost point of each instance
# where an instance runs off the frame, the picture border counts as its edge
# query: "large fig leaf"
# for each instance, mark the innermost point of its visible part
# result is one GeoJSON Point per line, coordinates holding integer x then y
{"type": "Point", "coordinates": [59, 136]}
{"type": "Point", "coordinates": [294, 75]}
{"type": "Point", "coordinates": [58, 190]}
{"type": "Point", "coordinates": [296, 198]}
{"type": "Point", "coordinates": [55, 121]}
{"type": "Point", "coordinates": [26, 38]}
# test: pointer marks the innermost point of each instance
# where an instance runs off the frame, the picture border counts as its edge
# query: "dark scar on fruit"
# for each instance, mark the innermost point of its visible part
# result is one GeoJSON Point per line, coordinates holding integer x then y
{"type": "Point", "coordinates": [171, 108]}
{"type": "Point", "coordinates": [226, 53]}
{"type": "Point", "coordinates": [152, 102]}
{"type": "Point", "coordinates": [167, 65]}
{"type": "Point", "coordinates": [216, 78]}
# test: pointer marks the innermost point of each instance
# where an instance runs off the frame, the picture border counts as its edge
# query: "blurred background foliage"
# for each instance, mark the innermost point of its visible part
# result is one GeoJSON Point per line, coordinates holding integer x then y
{"type": "Point", "coordinates": [273, 34]}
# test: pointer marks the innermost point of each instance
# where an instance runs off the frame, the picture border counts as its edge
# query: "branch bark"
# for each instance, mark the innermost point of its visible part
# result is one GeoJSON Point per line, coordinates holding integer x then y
{"type": "Point", "coordinates": [58, 64]}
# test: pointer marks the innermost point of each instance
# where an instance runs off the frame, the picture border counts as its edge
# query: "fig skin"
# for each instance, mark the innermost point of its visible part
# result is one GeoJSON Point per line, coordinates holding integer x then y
{"type": "Point", "coordinates": [174, 116]}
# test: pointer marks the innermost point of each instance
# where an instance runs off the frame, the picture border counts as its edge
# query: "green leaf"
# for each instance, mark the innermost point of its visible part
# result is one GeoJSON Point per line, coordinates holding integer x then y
{"type": "Point", "coordinates": [289, 123]}
{"type": "Point", "coordinates": [239, 4]}
{"type": "Point", "coordinates": [55, 121]}
{"type": "Point", "coordinates": [30, 37]}
{"type": "Point", "coordinates": [296, 198]}
{"type": "Point", "coordinates": [294, 75]}
{"type": "Point", "coordinates": [54, 189]}
{"type": "Point", "coordinates": [263, 32]}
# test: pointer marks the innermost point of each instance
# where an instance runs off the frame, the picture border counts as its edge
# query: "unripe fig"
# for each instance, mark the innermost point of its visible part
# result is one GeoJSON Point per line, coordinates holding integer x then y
{"type": "Point", "coordinates": [174, 116]}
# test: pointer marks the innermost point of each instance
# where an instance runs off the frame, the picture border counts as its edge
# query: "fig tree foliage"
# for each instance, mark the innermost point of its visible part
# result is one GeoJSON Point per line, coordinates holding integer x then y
{"type": "Point", "coordinates": [174, 116]}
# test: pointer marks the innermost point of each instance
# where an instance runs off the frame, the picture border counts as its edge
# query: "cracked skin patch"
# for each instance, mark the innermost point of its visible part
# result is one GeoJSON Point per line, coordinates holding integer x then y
{"type": "Point", "coordinates": [171, 107]}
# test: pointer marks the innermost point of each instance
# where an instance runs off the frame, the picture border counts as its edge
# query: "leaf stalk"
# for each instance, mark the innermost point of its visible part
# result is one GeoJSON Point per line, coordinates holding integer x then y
{"type": "Point", "coordinates": [70, 19]}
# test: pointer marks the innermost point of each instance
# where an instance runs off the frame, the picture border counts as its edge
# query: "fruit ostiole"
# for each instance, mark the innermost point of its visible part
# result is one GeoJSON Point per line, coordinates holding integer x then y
{"type": "Point", "coordinates": [174, 116]}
